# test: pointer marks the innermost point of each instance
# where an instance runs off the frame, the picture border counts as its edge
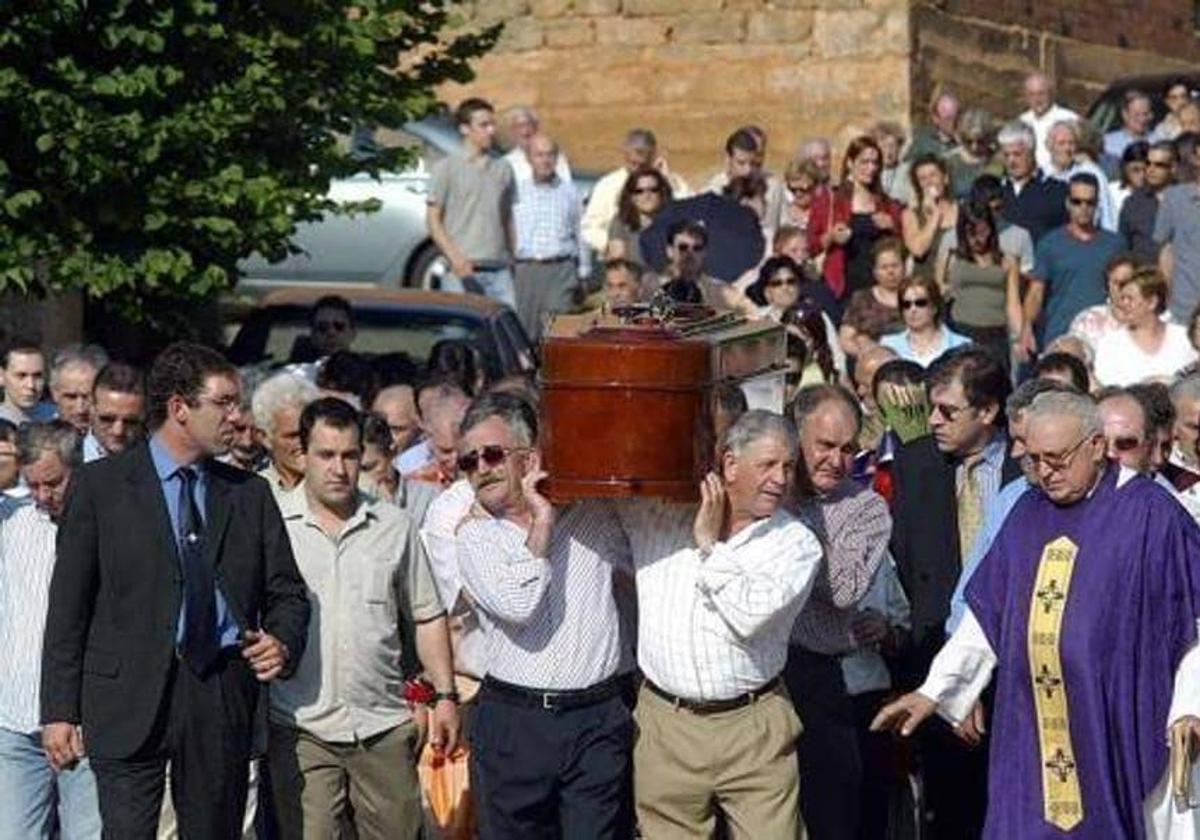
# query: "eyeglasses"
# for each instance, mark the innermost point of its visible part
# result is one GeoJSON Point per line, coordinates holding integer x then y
{"type": "Point", "coordinates": [1081, 202]}
{"type": "Point", "coordinates": [1126, 444]}
{"type": "Point", "coordinates": [688, 248]}
{"type": "Point", "coordinates": [777, 282]}
{"type": "Point", "coordinates": [950, 412]}
{"type": "Point", "coordinates": [919, 303]}
{"type": "Point", "coordinates": [225, 405]}
{"type": "Point", "coordinates": [491, 455]}
{"type": "Point", "coordinates": [647, 191]}
{"type": "Point", "coordinates": [330, 326]}
{"type": "Point", "coordinates": [1056, 463]}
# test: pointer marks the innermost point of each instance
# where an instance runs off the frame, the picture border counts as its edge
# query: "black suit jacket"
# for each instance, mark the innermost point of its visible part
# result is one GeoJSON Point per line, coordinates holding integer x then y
{"type": "Point", "coordinates": [1040, 208]}
{"type": "Point", "coordinates": [118, 585]}
{"type": "Point", "coordinates": [925, 539]}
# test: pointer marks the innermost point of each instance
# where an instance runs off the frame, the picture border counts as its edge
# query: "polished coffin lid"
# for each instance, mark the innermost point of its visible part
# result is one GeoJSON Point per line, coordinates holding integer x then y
{"type": "Point", "coordinates": [627, 409]}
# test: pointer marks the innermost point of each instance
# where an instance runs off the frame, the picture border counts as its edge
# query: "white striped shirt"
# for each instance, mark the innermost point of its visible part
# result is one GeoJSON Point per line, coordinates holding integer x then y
{"type": "Point", "coordinates": [547, 217]}
{"type": "Point", "coordinates": [549, 623]}
{"type": "Point", "coordinates": [712, 628]}
{"type": "Point", "coordinates": [26, 566]}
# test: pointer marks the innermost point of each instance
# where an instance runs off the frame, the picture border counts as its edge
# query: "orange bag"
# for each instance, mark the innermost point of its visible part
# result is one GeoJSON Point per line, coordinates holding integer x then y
{"type": "Point", "coordinates": [446, 793]}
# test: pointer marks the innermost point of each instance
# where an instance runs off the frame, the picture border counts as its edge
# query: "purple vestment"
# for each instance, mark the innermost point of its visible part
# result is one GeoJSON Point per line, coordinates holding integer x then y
{"type": "Point", "coordinates": [1129, 618]}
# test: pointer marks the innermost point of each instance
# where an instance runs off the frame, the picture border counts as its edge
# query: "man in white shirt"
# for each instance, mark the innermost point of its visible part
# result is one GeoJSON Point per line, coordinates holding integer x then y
{"type": "Point", "coordinates": [719, 588]}
{"type": "Point", "coordinates": [1086, 608]}
{"type": "Point", "coordinates": [523, 124]}
{"type": "Point", "coordinates": [276, 405]}
{"type": "Point", "coordinates": [33, 796]}
{"type": "Point", "coordinates": [1043, 113]}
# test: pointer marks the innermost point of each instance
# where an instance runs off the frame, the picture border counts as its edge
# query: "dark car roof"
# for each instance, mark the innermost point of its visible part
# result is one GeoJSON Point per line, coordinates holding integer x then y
{"type": "Point", "coordinates": [365, 297]}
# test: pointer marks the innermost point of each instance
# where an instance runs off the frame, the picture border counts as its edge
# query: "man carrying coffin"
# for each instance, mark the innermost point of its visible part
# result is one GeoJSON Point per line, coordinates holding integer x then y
{"type": "Point", "coordinates": [1086, 607]}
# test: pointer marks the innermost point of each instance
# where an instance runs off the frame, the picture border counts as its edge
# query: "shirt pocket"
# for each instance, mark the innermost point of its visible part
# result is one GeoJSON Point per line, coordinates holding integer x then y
{"type": "Point", "coordinates": [378, 588]}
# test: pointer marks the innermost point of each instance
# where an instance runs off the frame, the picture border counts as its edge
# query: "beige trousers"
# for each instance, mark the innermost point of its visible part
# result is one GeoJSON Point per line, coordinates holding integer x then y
{"type": "Point", "coordinates": [317, 785]}
{"type": "Point", "coordinates": [687, 765]}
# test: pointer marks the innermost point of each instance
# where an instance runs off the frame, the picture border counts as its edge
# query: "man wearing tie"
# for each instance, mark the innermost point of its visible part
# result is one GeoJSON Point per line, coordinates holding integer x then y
{"type": "Point", "coordinates": [174, 596]}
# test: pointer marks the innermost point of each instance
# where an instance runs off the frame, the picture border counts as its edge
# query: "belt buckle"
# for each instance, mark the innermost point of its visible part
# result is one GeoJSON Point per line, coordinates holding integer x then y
{"type": "Point", "coordinates": [547, 702]}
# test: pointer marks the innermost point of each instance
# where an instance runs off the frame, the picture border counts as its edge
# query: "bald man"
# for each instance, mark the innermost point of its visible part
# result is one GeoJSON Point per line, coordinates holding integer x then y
{"type": "Point", "coordinates": [398, 406]}
{"type": "Point", "coordinates": [522, 124]}
{"type": "Point", "coordinates": [1042, 114]}
{"type": "Point", "coordinates": [940, 136]}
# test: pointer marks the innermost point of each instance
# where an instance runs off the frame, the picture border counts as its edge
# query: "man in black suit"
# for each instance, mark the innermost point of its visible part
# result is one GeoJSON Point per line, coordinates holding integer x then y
{"type": "Point", "coordinates": [175, 597]}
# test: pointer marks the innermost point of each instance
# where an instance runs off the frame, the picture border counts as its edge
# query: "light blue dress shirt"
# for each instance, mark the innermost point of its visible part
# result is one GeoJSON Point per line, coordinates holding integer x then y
{"type": "Point", "coordinates": [167, 469]}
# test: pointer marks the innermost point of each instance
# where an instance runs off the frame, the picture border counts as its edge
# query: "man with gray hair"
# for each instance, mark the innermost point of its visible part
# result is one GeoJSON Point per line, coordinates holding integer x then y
{"type": "Point", "coordinates": [33, 795]}
{"type": "Point", "coordinates": [523, 124]}
{"type": "Point", "coordinates": [940, 136]}
{"type": "Point", "coordinates": [719, 587]}
{"type": "Point", "coordinates": [1031, 200]}
{"type": "Point", "coordinates": [639, 149]}
{"type": "Point", "coordinates": [551, 733]}
{"type": "Point", "coordinates": [73, 372]}
{"type": "Point", "coordinates": [277, 405]}
{"type": "Point", "coordinates": [1085, 609]}
{"type": "Point", "coordinates": [1182, 468]}
{"type": "Point", "coordinates": [1043, 113]}
{"type": "Point", "coordinates": [819, 151]}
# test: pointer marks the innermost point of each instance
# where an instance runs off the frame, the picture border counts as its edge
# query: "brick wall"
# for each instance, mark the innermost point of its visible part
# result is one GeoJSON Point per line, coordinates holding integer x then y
{"type": "Point", "coordinates": [692, 70]}
{"type": "Point", "coordinates": [982, 49]}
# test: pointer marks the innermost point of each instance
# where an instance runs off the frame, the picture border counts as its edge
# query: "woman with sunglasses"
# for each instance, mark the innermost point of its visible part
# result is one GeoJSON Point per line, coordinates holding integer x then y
{"type": "Point", "coordinates": [875, 312]}
{"type": "Point", "coordinates": [983, 283]}
{"type": "Point", "coordinates": [803, 180]}
{"type": "Point", "coordinates": [1145, 347]}
{"type": "Point", "coordinates": [646, 192]}
{"type": "Point", "coordinates": [846, 223]}
{"type": "Point", "coordinates": [925, 336]}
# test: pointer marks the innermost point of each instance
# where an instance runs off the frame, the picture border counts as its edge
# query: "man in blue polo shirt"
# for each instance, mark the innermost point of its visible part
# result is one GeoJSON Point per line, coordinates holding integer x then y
{"type": "Point", "coordinates": [1068, 271]}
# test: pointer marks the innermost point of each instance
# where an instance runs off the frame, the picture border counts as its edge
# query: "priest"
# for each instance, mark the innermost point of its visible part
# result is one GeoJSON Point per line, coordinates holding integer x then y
{"type": "Point", "coordinates": [1086, 608]}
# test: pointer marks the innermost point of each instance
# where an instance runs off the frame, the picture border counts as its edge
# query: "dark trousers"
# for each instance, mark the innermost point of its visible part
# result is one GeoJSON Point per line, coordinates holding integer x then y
{"type": "Point", "coordinates": [830, 765]}
{"type": "Point", "coordinates": [204, 730]}
{"type": "Point", "coordinates": [552, 774]}
{"type": "Point", "coordinates": [875, 752]}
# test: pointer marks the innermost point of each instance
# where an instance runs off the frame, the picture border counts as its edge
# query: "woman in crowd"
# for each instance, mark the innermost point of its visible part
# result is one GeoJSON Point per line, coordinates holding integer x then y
{"type": "Point", "coordinates": [1177, 96]}
{"type": "Point", "coordinates": [810, 356]}
{"type": "Point", "coordinates": [976, 154]}
{"type": "Point", "coordinates": [846, 223]}
{"type": "Point", "coordinates": [925, 335]}
{"type": "Point", "coordinates": [1133, 174]}
{"type": "Point", "coordinates": [646, 192]}
{"type": "Point", "coordinates": [803, 179]}
{"type": "Point", "coordinates": [1095, 322]}
{"type": "Point", "coordinates": [1146, 347]}
{"type": "Point", "coordinates": [982, 283]}
{"type": "Point", "coordinates": [874, 312]}
{"type": "Point", "coordinates": [933, 213]}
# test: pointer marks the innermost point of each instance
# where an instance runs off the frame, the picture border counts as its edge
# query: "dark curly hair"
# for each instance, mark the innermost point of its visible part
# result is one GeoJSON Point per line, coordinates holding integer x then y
{"type": "Point", "coordinates": [180, 371]}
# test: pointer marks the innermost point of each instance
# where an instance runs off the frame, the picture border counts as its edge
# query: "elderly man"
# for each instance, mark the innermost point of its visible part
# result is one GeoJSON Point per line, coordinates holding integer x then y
{"type": "Point", "coordinates": [719, 588]}
{"type": "Point", "coordinates": [1137, 119]}
{"type": "Point", "coordinates": [118, 411]}
{"type": "Point", "coordinates": [276, 405]}
{"type": "Point", "coordinates": [639, 149]}
{"type": "Point", "coordinates": [397, 405]}
{"type": "Point", "coordinates": [441, 422]}
{"type": "Point", "coordinates": [1065, 162]}
{"type": "Point", "coordinates": [622, 283]}
{"type": "Point", "coordinates": [342, 737]}
{"type": "Point", "coordinates": [1085, 607]}
{"type": "Point", "coordinates": [551, 736]}
{"type": "Point", "coordinates": [33, 795]}
{"type": "Point", "coordinates": [550, 258]}
{"type": "Point", "coordinates": [1030, 199]}
{"type": "Point", "coordinates": [940, 136]}
{"type": "Point", "coordinates": [522, 124]}
{"type": "Point", "coordinates": [853, 525]}
{"type": "Point", "coordinates": [1126, 432]}
{"type": "Point", "coordinates": [72, 376]}
{"type": "Point", "coordinates": [24, 380]}
{"type": "Point", "coordinates": [1043, 113]}
{"type": "Point", "coordinates": [1182, 466]}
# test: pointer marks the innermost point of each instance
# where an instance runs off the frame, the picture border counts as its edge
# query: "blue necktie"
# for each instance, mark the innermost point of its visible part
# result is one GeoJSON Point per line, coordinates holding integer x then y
{"type": "Point", "coordinates": [199, 592]}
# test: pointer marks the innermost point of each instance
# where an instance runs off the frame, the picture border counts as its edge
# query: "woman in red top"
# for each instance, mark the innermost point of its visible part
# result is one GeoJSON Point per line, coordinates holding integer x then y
{"type": "Point", "coordinates": [846, 223]}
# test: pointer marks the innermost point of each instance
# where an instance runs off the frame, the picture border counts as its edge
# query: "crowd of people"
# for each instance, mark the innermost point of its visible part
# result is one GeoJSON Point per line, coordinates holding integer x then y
{"type": "Point", "coordinates": [951, 590]}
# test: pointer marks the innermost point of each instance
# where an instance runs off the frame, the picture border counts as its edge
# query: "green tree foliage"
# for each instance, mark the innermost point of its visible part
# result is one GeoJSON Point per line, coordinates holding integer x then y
{"type": "Point", "coordinates": [148, 145]}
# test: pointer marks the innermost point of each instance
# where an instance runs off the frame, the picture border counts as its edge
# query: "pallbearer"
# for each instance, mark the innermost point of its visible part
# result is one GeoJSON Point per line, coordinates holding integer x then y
{"type": "Point", "coordinates": [1086, 607]}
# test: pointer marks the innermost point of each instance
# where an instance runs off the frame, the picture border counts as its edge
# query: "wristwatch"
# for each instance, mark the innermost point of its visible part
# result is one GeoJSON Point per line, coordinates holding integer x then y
{"type": "Point", "coordinates": [439, 696]}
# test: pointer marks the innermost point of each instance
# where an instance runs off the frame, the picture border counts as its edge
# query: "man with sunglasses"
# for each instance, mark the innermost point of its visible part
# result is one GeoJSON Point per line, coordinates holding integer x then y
{"type": "Point", "coordinates": [1069, 268]}
{"type": "Point", "coordinates": [1140, 210]}
{"type": "Point", "coordinates": [332, 325]}
{"type": "Point", "coordinates": [1177, 233]}
{"type": "Point", "coordinates": [551, 735]}
{"type": "Point", "coordinates": [685, 280]}
{"type": "Point", "coordinates": [118, 411]}
{"type": "Point", "coordinates": [1085, 610]}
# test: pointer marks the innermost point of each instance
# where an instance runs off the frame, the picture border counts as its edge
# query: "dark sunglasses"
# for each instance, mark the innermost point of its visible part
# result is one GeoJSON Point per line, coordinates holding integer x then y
{"type": "Point", "coordinates": [492, 455]}
{"type": "Point", "coordinates": [1126, 444]}
{"type": "Point", "coordinates": [688, 248]}
{"type": "Point", "coordinates": [1082, 202]}
{"type": "Point", "coordinates": [919, 303]}
{"type": "Point", "coordinates": [647, 191]}
{"type": "Point", "coordinates": [776, 282]}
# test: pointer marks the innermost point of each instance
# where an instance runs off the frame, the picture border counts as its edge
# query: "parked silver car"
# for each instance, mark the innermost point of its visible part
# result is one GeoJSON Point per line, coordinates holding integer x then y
{"type": "Point", "coordinates": [391, 247]}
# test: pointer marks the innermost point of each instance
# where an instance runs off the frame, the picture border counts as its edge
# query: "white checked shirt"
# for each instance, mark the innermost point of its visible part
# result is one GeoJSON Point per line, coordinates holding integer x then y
{"type": "Point", "coordinates": [547, 216]}
{"type": "Point", "coordinates": [713, 628]}
{"type": "Point", "coordinates": [26, 566]}
{"type": "Point", "coordinates": [550, 623]}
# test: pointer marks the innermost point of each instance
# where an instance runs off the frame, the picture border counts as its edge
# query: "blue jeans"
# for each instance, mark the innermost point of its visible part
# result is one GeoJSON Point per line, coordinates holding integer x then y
{"type": "Point", "coordinates": [495, 283]}
{"type": "Point", "coordinates": [31, 791]}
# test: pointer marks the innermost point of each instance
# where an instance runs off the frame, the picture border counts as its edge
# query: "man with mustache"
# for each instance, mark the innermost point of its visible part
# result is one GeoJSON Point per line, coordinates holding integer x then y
{"type": "Point", "coordinates": [719, 587]}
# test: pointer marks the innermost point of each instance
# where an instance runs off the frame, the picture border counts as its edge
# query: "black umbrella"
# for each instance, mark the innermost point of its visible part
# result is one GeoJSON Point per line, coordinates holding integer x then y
{"type": "Point", "coordinates": [735, 239]}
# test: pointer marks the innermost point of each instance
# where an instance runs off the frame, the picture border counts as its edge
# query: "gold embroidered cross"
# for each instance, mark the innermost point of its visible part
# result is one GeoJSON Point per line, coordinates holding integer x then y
{"type": "Point", "coordinates": [1061, 765]}
{"type": "Point", "coordinates": [1047, 681]}
{"type": "Point", "coordinates": [1049, 596]}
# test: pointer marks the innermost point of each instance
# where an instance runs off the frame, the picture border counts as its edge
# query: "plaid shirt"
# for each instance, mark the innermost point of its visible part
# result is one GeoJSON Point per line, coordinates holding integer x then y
{"type": "Point", "coordinates": [547, 215]}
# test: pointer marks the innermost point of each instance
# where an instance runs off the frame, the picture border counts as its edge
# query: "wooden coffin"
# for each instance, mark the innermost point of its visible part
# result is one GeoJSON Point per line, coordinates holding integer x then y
{"type": "Point", "coordinates": [627, 409]}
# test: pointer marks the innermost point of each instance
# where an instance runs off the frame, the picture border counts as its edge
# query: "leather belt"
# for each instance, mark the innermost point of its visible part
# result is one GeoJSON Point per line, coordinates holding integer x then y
{"type": "Point", "coordinates": [708, 707]}
{"type": "Point", "coordinates": [519, 695]}
{"type": "Point", "coordinates": [547, 260]}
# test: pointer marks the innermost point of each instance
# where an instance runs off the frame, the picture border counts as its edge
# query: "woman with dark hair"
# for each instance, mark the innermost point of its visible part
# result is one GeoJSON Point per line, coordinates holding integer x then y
{"type": "Point", "coordinates": [1177, 94]}
{"type": "Point", "coordinates": [646, 192]}
{"type": "Point", "coordinates": [982, 283]}
{"type": "Point", "coordinates": [933, 213]}
{"type": "Point", "coordinates": [1133, 174]}
{"type": "Point", "coordinates": [810, 358]}
{"type": "Point", "coordinates": [846, 223]}
{"type": "Point", "coordinates": [874, 312]}
{"type": "Point", "coordinates": [925, 335]}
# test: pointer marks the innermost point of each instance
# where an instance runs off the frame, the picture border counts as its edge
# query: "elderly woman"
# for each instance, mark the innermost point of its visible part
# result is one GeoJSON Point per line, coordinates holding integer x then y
{"type": "Point", "coordinates": [925, 335]}
{"type": "Point", "coordinates": [803, 180]}
{"type": "Point", "coordinates": [894, 176]}
{"type": "Point", "coordinates": [1146, 347]}
{"type": "Point", "coordinates": [1069, 157]}
{"type": "Point", "coordinates": [1095, 322]}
